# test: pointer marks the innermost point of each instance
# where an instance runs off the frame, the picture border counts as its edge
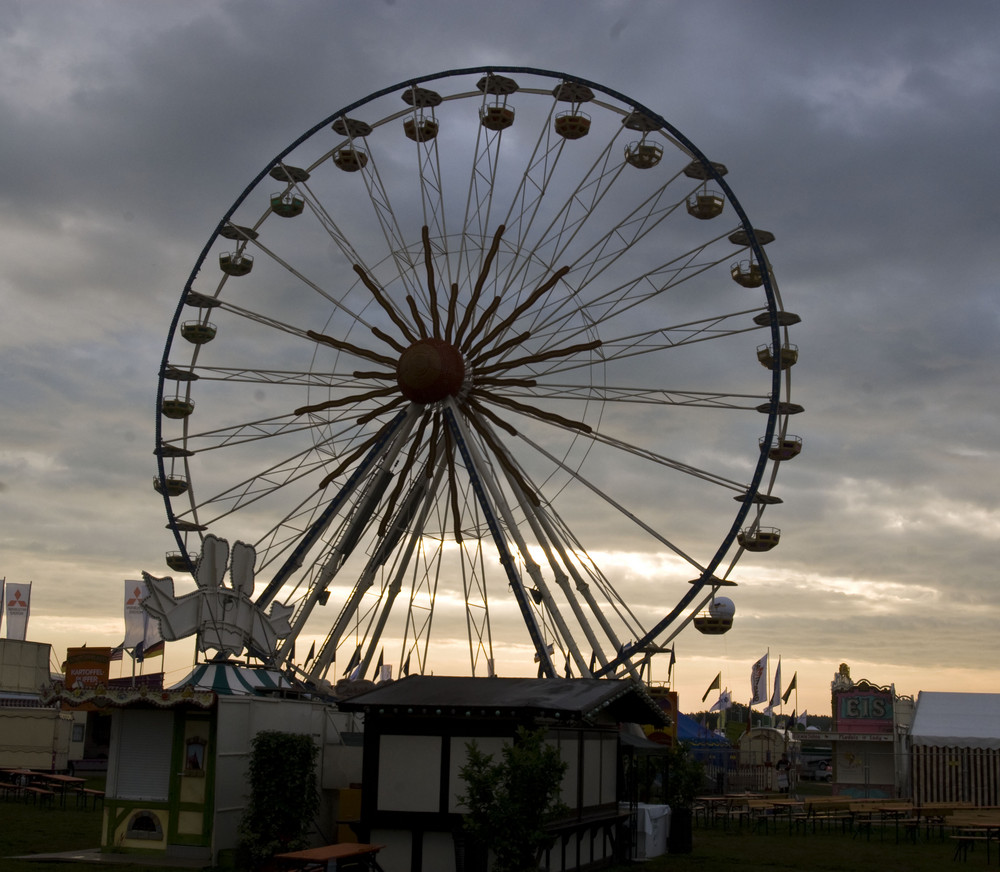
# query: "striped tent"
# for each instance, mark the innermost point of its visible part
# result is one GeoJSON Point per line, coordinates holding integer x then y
{"type": "Point", "coordinates": [955, 748]}
{"type": "Point", "coordinates": [234, 679]}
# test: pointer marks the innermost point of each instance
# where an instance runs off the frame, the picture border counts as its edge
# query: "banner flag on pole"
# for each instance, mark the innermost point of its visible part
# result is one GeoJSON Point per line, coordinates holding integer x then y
{"type": "Point", "coordinates": [18, 599]}
{"type": "Point", "coordinates": [776, 694]}
{"type": "Point", "coordinates": [3, 581]}
{"type": "Point", "coordinates": [792, 685]}
{"type": "Point", "coordinates": [801, 720]}
{"type": "Point", "coordinates": [758, 681]}
{"type": "Point", "coordinates": [724, 701]}
{"type": "Point", "coordinates": [135, 617]}
{"type": "Point", "coordinates": [715, 685]}
{"type": "Point", "coordinates": [355, 662]}
{"type": "Point", "coordinates": [142, 632]}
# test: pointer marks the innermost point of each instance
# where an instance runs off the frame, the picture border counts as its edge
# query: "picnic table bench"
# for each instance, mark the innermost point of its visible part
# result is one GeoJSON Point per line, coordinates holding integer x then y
{"type": "Point", "coordinates": [39, 795]}
{"type": "Point", "coordinates": [85, 794]}
{"type": "Point", "coordinates": [346, 856]}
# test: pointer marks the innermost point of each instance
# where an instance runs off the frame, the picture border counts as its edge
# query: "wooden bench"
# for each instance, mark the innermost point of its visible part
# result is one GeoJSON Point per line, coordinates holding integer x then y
{"type": "Point", "coordinates": [828, 811]}
{"type": "Point", "coordinates": [39, 795]}
{"type": "Point", "coordinates": [964, 841]}
{"type": "Point", "coordinates": [85, 794]}
{"type": "Point", "coordinates": [760, 812]}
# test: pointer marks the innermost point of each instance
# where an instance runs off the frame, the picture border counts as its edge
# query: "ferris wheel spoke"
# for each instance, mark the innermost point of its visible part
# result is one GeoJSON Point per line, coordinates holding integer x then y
{"type": "Point", "coordinates": [292, 378]}
{"type": "Point", "coordinates": [588, 576]}
{"type": "Point", "coordinates": [528, 198]}
{"type": "Point", "coordinates": [306, 281]}
{"type": "Point", "coordinates": [494, 508]}
{"type": "Point", "coordinates": [484, 167]}
{"type": "Point", "coordinates": [369, 478]}
{"type": "Point", "coordinates": [630, 230]}
{"type": "Point", "coordinates": [401, 524]}
{"type": "Point", "coordinates": [555, 240]}
{"type": "Point", "coordinates": [562, 568]}
{"type": "Point", "coordinates": [608, 393]}
{"type": "Point", "coordinates": [575, 474]}
{"type": "Point", "coordinates": [378, 195]}
{"type": "Point", "coordinates": [620, 298]}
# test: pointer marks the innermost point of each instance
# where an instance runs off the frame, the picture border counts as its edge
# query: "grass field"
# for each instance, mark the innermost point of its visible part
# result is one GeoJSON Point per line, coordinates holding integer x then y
{"type": "Point", "coordinates": [29, 829]}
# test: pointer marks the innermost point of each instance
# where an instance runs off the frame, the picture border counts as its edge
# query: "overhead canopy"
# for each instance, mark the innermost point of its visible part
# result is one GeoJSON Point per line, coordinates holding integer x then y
{"type": "Point", "coordinates": [956, 720]}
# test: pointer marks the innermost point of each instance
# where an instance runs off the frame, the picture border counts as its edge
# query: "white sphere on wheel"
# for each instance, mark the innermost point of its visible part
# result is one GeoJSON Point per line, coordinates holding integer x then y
{"type": "Point", "coordinates": [722, 607]}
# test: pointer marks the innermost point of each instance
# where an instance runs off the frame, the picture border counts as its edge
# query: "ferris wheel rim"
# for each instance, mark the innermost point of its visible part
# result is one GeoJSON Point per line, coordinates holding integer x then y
{"type": "Point", "coordinates": [708, 577]}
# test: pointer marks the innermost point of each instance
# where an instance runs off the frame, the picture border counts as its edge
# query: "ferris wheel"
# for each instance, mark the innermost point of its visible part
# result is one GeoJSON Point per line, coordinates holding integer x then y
{"type": "Point", "coordinates": [493, 355]}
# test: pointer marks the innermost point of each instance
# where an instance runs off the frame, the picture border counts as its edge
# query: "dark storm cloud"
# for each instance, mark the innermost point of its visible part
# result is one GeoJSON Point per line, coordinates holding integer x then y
{"type": "Point", "coordinates": [861, 134]}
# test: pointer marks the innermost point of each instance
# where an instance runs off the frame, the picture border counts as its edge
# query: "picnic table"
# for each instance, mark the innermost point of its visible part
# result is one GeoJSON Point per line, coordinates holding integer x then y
{"type": "Point", "coordinates": [970, 826]}
{"type": "Point", "coordinates": [345, 854]}
{"type": "Point", "coordinates": [60, 784]}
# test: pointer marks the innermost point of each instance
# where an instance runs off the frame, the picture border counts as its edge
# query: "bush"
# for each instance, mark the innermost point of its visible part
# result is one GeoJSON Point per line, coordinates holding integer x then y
{"type": "Point", "coordinates": [283, 796]}
{"type": "Point", "coordinates": [510, 801]}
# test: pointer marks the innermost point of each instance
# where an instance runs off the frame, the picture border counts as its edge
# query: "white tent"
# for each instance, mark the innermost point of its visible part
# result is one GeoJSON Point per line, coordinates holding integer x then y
{"type": "Point", "coordinates": [955, 747]}
{"type": "Point", "coordinates": [957, 720]}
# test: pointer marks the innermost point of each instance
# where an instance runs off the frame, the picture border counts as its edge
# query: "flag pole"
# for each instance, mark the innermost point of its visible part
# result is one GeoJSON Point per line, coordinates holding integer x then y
{"type": "Point", "coordinates": [767, 685]}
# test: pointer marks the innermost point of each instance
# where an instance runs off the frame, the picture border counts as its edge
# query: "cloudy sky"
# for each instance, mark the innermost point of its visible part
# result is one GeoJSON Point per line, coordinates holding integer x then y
{"type": "Point", "coordinates": [862, 134]}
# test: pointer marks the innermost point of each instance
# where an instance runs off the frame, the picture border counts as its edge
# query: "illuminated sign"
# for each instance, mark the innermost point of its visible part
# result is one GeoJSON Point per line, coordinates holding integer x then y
{"type": "Point", "coordinates": [863, 711]}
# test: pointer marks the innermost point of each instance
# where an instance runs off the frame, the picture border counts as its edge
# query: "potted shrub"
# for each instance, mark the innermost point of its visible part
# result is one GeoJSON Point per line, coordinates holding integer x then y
{"type": "Point", "coordinates": [685, 775]}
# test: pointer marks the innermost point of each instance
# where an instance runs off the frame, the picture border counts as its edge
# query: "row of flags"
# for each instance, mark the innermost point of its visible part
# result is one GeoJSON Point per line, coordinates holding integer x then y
{"type": "Point", "coordinates": [759, 690]}
{"type": "Point", "coordinates": [15, 600]}
{"type": "Point", "coordinates": [758, 685]}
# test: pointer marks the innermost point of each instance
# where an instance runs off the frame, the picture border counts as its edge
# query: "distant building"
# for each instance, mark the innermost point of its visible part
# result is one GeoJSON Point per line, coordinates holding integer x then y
{"type": "Point", "coordinates": [868, 738]}
{"type": "Point", "coordinates": [33, 734]}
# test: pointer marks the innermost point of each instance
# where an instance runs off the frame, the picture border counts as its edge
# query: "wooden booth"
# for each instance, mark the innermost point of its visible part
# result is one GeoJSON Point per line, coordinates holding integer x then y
{"type": "Point", "coordinates": [416, 734]}
{"type": "Point", "coordinates": [177, 769]}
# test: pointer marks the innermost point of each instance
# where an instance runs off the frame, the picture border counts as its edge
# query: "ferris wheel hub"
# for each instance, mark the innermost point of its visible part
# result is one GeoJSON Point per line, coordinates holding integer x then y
{"type": "Point", "coordinates": [430, 370]}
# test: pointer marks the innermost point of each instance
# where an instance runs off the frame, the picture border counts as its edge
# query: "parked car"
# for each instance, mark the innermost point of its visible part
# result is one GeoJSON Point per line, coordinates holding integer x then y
{"type": "Point", "coordinates": [816, 770]}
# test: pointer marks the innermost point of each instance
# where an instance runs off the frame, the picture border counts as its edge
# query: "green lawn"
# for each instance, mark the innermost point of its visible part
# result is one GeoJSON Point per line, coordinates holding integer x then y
{"type": "Point", "coordinates": [718, 849]}
{"type": "Point", "coordinates": [28, 829]}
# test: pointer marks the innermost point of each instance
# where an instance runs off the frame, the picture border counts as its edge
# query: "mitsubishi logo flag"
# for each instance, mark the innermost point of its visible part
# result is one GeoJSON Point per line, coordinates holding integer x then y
{"type": "Point", "coordinates": [142, 633]}
{"type": "Point", "coordinates": [17, 599]}
{"type": "Point", "coordinates": [135, 617]}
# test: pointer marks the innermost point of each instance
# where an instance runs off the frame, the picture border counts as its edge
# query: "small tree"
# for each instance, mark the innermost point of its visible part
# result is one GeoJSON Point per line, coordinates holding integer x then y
{"type": "Point", "coordinates": [283, 796]}
{"type": "Point", "coordinates": [685, 777]}
{"type": "Point", "coordinates": [510, 801]}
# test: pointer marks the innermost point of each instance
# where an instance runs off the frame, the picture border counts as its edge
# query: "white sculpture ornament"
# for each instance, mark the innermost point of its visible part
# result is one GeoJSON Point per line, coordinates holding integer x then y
{"type": "Point", "coordinates": [225, 619]}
